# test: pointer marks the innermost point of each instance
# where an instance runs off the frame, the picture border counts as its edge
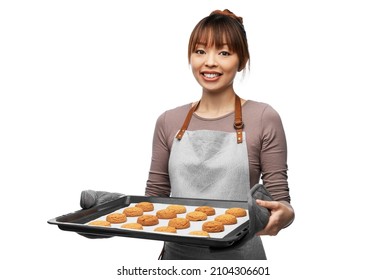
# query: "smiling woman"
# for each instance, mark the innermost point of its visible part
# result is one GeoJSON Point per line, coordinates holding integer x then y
{"type": "Point", "coordinates": [221, 146]}
{"type": "Point", "coordinates": [222, 28]}
{"type": "Point", "coordinates": [217, 52]}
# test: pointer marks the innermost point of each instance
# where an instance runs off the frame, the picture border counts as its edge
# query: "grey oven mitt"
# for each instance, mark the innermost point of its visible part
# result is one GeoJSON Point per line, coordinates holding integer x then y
{"type": "Point", "coordinates": [90, 198]}
{"type": "Point", "coordinates": [258, 215]}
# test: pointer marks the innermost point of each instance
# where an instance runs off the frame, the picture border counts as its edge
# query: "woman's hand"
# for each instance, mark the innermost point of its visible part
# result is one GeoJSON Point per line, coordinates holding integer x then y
{"type": "Point", "coordinates": [282, 215]}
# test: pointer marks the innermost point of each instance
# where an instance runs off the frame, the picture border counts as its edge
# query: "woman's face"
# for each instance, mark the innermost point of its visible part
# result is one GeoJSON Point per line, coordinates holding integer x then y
{"type": "Point", "coordinates": [214, 68]}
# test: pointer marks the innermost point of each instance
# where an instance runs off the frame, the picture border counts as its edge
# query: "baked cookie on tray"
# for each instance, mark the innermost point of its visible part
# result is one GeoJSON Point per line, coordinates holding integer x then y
{"type": "Point", "coordinates": [236, 211]}
{"type": "Point", "coordinates": [226, 219]}
{"type": "Point", "coordinates": [116, 218]}
{"type": "Point", "coordinates": [179, 223]}
{"type": "Point", "coordinates": [146, 206]}
{"type": "Point", "coordinates": [133, 211]}
{"type": "Point", "coordinates": [180, 209]}
{"type": "Point", "coordinates": [213, 226]}
{"type": "Point", "coordinates": [148, 220]}
{"type": "Point", "coordinates": [166, 229]}
{"type": "Point", "coordinates": [196, 216]}
{"type": "Point", "coordinates": [199, 233]}
{"type": "Point", "coordinates": [132, 226]}
{"type": "Point", "coordinates": [208, 210]}
{"type": "Point", "coordinates": [166, 214]}
{"type": "Point", "coordinates": [100, 223]}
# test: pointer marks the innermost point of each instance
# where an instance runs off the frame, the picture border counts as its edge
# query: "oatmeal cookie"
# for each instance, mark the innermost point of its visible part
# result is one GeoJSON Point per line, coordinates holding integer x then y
{"type": "Point", "coordinates": [180, 209]}
{"type": "Point", "coordinates": [236, 211]}
{"type": "Point", "coordinates": [226, 219]}
{"type": "Point", "coordinates": [199, 233]}
{"type": "Point", "coordinates": [100, 223]}
{"type": "Point", "coordinates": [166, 214]}
{"type": "Point", "coordinates": [208, 210]}
{"type": "Point", "coordinates": [146, 206]}
{"type": "Point", "coordinates": [148, 220]}
{"type": "Point", "coordinates": [213, 226]}
{"type": "Point", "coordinates": [196, 216]}
{"type": "Point", "coordinates": [166, 229]}
{"type": "Point", "coordinates": [179, 223]}
{"type": "Point", "coordinates": [133, 211]}
{"type": "Point", "coordinates": [116, 218]}
{"type": "Point", "coordinates": [132, 226]}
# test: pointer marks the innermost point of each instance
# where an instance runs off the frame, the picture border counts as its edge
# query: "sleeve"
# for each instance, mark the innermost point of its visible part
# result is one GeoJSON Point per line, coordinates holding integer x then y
{"type": "Point", "coordinates": [158, 183]}
{"type": "Point", "coordinates": [274, 156]}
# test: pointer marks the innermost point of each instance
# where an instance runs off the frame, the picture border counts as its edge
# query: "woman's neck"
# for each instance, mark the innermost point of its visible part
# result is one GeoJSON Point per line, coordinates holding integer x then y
{"type": "Point", "coordinates": [216, 105]}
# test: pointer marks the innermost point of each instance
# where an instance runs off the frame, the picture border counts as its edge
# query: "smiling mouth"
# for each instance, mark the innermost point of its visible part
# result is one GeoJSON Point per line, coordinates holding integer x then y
{"type": "Point", "coordinates": [211, 75]}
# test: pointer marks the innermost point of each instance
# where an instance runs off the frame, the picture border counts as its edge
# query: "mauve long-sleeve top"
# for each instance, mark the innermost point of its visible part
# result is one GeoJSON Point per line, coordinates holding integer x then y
{"type": "Point", "coordinates": [265, 139]}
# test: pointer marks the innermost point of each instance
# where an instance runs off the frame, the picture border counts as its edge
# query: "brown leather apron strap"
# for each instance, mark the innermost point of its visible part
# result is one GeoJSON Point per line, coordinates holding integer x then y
{"type": "Point", "coordinates": [238, 124]}
{"type": "Point", "coordinates": [187, 121]}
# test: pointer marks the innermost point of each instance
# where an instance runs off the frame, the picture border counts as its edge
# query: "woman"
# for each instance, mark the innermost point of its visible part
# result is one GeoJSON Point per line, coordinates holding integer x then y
{"type": "Point", "coordinates": [220, 146]}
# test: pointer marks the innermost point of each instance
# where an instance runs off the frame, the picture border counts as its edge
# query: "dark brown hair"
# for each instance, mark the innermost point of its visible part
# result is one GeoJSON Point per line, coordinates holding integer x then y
{"type": "Point", "coordinates": [220, 26]}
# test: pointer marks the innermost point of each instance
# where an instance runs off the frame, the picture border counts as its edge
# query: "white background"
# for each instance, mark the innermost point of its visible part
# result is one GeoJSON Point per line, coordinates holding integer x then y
{"type": "Point", "coordinates": [83, 82]}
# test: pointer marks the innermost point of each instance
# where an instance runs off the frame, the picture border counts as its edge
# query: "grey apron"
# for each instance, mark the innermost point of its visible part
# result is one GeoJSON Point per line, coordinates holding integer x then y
{"type": "Point", "coordinates": [211, 165]}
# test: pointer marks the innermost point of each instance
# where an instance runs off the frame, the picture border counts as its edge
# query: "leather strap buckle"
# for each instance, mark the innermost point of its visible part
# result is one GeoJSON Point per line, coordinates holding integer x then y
{"type": "Point", "coordinates": [238, 125]}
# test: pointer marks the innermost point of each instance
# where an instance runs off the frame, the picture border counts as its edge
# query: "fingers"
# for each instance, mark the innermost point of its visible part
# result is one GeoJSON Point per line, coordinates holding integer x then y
{"type": "Point", "coordinates": [271, 229]}
{"type": "Point", "coordinates": [281, 216]}
{"type": "Point", "coordinates": [271, 205]}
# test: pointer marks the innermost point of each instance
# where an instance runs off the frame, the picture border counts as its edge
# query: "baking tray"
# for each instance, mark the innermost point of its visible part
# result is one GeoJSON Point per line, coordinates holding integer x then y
{"type": "Point", "coordinates": [78, 221]}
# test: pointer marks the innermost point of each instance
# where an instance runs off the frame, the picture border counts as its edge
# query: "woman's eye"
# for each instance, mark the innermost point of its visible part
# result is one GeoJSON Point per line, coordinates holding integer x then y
{"type": "Point", "coordinates": [200, 52]}
{"type": "Point", "coordinates": [224, 53]}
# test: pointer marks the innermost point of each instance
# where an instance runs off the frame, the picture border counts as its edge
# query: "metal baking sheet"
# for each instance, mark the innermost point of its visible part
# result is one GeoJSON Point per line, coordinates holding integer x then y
{"type": "Point", "coordinates": [78, 221]}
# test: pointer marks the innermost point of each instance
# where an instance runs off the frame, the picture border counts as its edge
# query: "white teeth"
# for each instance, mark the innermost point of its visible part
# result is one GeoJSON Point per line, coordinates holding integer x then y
{"type": "Point", "coordinates": [212, 75]}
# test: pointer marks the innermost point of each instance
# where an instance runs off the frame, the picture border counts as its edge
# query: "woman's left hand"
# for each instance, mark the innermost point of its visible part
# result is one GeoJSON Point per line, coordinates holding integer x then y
{"type": "Point", "coordinates": [282, 215]}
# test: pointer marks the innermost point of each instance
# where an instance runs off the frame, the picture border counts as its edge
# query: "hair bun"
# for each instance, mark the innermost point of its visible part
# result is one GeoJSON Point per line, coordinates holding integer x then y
{"type": "Point", "coordinates": [228, 13]}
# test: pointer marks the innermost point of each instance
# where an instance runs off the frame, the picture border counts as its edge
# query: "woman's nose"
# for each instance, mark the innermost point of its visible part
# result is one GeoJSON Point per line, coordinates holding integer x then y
{"type": "Point", "coordinates": [211, 60]}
